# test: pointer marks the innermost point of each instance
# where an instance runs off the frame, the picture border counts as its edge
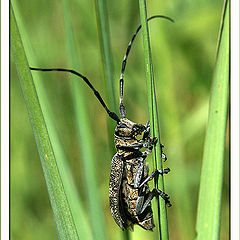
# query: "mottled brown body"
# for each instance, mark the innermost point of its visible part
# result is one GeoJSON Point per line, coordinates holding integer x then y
{"type": "Point", "coordinates": [125, 164]}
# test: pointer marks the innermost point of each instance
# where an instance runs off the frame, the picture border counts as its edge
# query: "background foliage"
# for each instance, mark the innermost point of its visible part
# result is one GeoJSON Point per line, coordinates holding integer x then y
{"type": "Point", "coordinates": [183, 61]}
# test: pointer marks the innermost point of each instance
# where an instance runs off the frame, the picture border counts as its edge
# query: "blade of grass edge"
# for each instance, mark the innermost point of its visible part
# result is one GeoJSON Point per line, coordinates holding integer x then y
{"type": "Point", "coordinates": [75, 201]}
{"type": "Point", "coordinates": [210, 193]}
{"type": "Point", "coordinates": [84, 130]}
{"type": "Point", "coordinates": [62, 213]}
{"type": "Point", "coordinates": [162, 214]}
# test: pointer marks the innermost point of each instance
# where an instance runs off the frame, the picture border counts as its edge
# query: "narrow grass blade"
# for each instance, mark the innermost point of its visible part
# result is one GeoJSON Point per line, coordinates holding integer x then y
{"type": "Point", "coordinates": [157, 152]}
{"type": "Point", "coordinates": [104, 38]}
{"type": "Point", "coordinates": [61, 209]}
{"type": "Point", "coordinates": [75, 202]}
{"type": "Point", "coordinates": [85, 138]}
{"type": "Point", "coordinates": [210, 193]}
{"type": "Point", "coordinates": [105, 45]}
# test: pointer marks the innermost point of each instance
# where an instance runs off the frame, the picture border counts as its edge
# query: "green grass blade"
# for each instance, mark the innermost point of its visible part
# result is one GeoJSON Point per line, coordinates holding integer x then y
{"type": "Point", "coordinates": [104, 39]}
{"type": "Point", "coordinates": [79, 215]}
{"type": "Point", "coordinates": [210, 194]}
{"type": "Point", "coordinates": [162, 214]}
{"type": "Point", "coordinates": [61, 209]}
{"type": "Point", "coordinates": [85, 138]}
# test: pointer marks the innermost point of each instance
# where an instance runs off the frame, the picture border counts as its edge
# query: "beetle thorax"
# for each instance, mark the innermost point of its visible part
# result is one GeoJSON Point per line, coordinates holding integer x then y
{"type": "Point", "coordinates": [126, 132]}
{"type": "Point", "coordinates": [128, 129]}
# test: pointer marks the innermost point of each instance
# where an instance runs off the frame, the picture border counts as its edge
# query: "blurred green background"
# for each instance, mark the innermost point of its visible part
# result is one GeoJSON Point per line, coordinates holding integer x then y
{"type": "Point", "coordinates": [183, 60]}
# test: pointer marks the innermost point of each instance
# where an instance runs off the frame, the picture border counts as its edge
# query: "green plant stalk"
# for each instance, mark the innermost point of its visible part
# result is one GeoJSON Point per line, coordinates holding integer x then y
{"type": "Point", "coordinates": [85, 139]}
{"type": "Point", "coordinates": [157, 161]}
{"type": "Point", "coordinates": [73, 197]}
{"type": "Point", "coordinates": [210, 193]}
{"type": "Point", "coordinates": [62, 213]}
{"type": "Point", "coordinates": [104, 38]}
{"type": "Point", "coordinates": [159, 184]}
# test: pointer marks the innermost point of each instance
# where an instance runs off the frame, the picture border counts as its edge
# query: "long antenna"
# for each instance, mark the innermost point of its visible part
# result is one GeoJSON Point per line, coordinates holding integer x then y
{"type": "Point", "coordinates": [111, 114]}
{"type": "Point", "coordinates": [122, 108]}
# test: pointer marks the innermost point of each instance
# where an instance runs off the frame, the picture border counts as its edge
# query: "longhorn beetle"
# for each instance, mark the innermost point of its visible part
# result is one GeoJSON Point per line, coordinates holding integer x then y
{"type": "Point", "coordinates": [129, 193]}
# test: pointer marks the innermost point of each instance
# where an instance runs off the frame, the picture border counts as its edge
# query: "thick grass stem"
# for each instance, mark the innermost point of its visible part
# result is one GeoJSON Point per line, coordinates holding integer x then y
{"type": "Point", "coordinates": [210, 193]}
{"type": "Point", "coordinates": [62, 212]}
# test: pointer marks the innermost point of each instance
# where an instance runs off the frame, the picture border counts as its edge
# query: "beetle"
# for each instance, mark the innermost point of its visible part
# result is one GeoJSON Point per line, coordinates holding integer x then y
{"type": "Point", "coordinates": [129, 193]}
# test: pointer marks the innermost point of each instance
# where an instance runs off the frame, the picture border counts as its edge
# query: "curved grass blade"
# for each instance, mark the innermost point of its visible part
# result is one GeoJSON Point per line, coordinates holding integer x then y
{"type": "Point", "coordinates": [85, 140]}
{"type": "Point", "coordinates": [62, 213]}
{"type": "Point", "coordinates": [157, 152]}
{"type": "Point", "coordinates": [75, 202]}
{"type": "Point", "coordinates": [210, 193]}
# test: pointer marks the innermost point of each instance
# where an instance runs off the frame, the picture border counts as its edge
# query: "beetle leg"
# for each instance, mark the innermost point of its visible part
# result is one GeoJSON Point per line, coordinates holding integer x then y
{"type": "Point", "coordinates": [147, 151]}
{"type": "Point", "coordinates": [164, 157]}
{"type": "Point", "coordinates": [139, 205]}
{"type": "Point", "coordinates": [148, 125]}
{"type": "Point", "coordinates": [149, 145]}
{"type": "Point", "coordinates": [155, 192]}
{"type": "Point", "coordinates": [150, 142]}
{"type": "Point", "coordinates": [147, 133]}
{"type": "Point", "coordinates": [138, 175]}
{"type": "Point", "coordinates": [147, 136]}
{"type": "Point", "coordinates": [154, 174]}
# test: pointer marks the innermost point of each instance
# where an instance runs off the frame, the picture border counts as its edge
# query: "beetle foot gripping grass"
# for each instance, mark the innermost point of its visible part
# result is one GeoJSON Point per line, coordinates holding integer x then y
{"type": "Point", "coordinates": [129, 192]}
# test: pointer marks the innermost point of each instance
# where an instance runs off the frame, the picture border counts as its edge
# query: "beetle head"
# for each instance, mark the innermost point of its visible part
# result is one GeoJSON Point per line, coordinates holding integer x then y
{"type": "Point", "coordinates": [127, 128]}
